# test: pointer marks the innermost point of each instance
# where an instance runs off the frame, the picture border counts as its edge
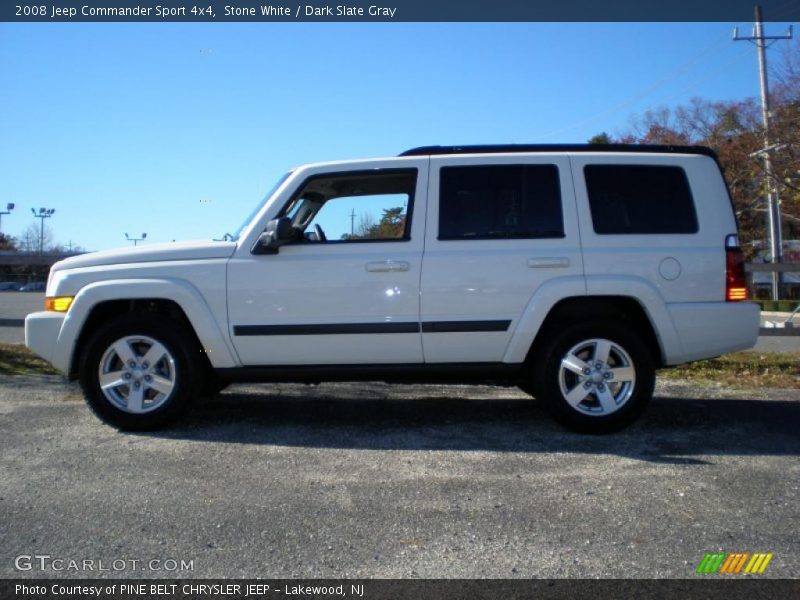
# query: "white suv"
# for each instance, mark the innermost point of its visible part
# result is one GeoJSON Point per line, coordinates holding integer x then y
{"type": "Point", "coordinates": [572, 271]}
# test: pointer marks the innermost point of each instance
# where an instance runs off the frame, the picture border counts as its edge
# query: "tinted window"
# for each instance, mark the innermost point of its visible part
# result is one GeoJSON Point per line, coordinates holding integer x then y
{"type": "Point", "coordinates": [496, 202]}
{"type": "Point", "coordinates": [640, 199]}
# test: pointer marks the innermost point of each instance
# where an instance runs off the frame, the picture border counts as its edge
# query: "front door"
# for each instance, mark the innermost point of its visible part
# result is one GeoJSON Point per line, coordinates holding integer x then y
{"type": "Point", "coordinates": [347, 290]}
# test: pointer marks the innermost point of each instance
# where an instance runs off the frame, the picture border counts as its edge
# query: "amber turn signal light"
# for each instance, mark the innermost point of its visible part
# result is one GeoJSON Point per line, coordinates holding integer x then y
{"type": "Point", "coordinates": [58, 303]}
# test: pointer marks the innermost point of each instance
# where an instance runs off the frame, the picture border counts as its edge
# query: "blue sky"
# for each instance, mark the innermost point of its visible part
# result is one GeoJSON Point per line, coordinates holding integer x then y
{"type": "Point", "coordinates": [179, 129]}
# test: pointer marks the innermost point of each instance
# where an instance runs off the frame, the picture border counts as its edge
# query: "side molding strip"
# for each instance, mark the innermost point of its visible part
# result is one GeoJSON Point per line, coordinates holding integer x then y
{"type": "Point", "coordinates": [326, 329]}
{"type": "Point", "coordinates": [361, 328]}
{"type": "Point", "coordinates": [459, 326]}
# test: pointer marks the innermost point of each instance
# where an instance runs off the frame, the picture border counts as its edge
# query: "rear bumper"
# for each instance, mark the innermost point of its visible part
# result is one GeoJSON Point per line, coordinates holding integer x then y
{"type": "Point", "coordinates": [41, 335]}
{"type": "Point", "coordinates": [709, 329]}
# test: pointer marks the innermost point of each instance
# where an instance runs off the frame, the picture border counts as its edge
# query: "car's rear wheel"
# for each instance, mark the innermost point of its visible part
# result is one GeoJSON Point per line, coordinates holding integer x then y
{"type": "Point", "coordinates": [594, 377]}
{"type": "Point", "coordinates": [138, 372]}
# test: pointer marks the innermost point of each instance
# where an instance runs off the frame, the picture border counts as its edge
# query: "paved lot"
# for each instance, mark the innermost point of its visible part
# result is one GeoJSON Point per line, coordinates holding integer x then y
{"type": "Point", "coordinates": [15, 305]}
{"type": "Point", "coordinates": [13, 308]}
{"type": "Point", "coordinates": [407, 481]}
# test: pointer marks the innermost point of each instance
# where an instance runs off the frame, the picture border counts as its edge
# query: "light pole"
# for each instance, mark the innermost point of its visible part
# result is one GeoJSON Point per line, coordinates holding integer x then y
{"type": "Point", "coordinates": [135, 240]}
{"type": "Point", "coordinates": [44, 213]}
{"type": "Point", "coordinates": [7, 211]}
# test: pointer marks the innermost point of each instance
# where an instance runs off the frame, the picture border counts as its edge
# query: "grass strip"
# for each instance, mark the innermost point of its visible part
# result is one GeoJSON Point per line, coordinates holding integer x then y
{"type": "Point", "coordinates": [16, 359]}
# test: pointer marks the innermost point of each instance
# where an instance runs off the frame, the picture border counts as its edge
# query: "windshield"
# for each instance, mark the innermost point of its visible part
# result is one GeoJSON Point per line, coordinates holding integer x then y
{"type": "Point", "coordinates": [235, 236]}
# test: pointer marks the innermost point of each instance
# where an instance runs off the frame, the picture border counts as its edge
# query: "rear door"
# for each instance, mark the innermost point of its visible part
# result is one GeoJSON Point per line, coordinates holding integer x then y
{"type": "Point", "coordinates": [498, 229]}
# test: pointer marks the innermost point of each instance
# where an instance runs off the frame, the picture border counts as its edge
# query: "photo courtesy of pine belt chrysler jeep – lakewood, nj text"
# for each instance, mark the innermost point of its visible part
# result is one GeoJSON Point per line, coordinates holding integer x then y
{"type": "Point", "coordinates": [573, 272]}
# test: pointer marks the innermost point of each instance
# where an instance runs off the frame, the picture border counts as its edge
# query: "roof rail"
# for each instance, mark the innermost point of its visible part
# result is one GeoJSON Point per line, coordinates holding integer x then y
{"type": "Point", "coordinates": [511, 148]}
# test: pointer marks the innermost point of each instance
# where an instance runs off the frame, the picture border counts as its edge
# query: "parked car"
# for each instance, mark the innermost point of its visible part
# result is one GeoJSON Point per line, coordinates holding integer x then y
{"type": "Point", "coordinates": [572, 271]}
{"type": "Point", "coordinates": [9, 286]}
{"type": "Point", "coordinates": [34, 286]}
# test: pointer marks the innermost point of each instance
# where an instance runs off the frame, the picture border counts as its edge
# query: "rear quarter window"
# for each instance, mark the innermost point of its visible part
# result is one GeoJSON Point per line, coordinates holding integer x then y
{"type": "Point", "coordinates": [640, 199]}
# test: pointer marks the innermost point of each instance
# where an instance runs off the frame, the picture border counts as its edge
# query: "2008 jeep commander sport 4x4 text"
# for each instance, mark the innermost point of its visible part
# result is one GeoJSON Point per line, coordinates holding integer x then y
{"type": "Point", "coordinates": [572, 271]}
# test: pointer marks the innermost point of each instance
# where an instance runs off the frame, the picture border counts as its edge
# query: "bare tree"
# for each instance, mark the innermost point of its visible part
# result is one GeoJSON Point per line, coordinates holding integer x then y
{"type": "Point", "coordinates": [787, 74]}
{"type": "Point", "coordinates": [366, 223]}
{"type": "Point", "coordinates": [29, 240]}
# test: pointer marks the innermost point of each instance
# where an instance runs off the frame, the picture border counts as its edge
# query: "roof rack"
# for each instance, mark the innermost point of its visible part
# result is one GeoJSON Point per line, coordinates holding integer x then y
{"type": "Point", "coordinates": [511, 148]}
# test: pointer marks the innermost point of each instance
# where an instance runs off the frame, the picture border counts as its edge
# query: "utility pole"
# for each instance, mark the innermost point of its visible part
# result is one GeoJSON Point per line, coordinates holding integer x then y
{"type": "Point", "coordinates": [44, 213]}
{"type": "Point", "coordinates": [773, 203]}
{"type": "Point", "coordinates": [352, 222]}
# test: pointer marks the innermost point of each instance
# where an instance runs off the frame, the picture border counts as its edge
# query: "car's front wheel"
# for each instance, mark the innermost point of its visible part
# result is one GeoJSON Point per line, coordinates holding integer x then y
{"type": "Point", "coordinates": [137, 372]}
{"type": "Point", "coordinates": [595, 377]}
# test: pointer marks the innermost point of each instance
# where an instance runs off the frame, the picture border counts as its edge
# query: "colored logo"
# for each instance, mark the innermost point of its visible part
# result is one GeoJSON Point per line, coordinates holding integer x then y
{"type": "Point", "coordinates": [734, 563]}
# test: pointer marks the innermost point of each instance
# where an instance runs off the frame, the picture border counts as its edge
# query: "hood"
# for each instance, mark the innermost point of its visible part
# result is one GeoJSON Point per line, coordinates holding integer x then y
{"type": "Point", "coordinates": [199, 249]}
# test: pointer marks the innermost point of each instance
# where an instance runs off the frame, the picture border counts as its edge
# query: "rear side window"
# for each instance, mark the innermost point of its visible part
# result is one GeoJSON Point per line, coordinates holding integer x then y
{"type": "Point", "coordinates": [500, 202]}
{"type": "Point", "coordinates": [640, 199]}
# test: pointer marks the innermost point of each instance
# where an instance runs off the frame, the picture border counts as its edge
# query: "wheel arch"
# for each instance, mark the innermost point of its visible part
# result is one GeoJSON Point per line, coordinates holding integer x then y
{"type": "Point", "coordinates": [625, 309]}
{"type": "Point", "coordinates": [97, 303]}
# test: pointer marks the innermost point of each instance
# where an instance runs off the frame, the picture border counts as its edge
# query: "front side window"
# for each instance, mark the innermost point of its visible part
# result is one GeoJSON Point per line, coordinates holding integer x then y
{"type": "Point", "coordinates": [500, 202]}
{"type": "Point", "coordinates": [354, 207]}
{"type": "Point", "coordinates": [636, 199]}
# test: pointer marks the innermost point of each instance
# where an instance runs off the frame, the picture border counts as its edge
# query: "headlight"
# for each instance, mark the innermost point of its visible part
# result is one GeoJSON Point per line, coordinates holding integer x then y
{"type": "Point", "coordinates": [58, 303]}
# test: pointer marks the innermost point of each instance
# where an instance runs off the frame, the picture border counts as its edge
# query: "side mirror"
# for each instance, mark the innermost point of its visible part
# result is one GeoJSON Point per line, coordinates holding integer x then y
{"type": "Point", "coordinates": [278, 232]}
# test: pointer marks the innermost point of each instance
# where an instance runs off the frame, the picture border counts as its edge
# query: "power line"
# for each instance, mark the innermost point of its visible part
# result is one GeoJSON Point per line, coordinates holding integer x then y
{"type": "Point", "coordinates": [676, 72]}
{"type": "Point", "coordinates": [784, 10]}
{"type": "Point", "coordinates": [713, 72]}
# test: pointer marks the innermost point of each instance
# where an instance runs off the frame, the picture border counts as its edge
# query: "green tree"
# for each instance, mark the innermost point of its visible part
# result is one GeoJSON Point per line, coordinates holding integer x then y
{"type": "Point", "coordinates": [391, 226]}
{"type": "Point", "coordinates": [601, 138]}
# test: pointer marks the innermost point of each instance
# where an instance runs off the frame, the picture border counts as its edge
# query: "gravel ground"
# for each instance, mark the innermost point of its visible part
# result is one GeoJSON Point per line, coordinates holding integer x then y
{"type": "Point", "coordinates": [351, 480]}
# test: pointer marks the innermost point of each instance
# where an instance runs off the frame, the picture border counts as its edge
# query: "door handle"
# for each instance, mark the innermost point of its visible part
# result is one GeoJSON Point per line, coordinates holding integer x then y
{"type": "Point", "coordinates": [388, 266]}
{"type": "Point", "coordinates": [550, 262]}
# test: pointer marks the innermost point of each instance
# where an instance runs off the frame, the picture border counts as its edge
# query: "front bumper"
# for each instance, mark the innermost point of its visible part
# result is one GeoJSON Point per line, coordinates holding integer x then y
{"type": "Point", "coordinates": [41, 335]}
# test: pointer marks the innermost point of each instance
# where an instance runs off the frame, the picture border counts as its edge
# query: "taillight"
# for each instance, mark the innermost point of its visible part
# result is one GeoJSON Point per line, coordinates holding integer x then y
{"type": "Point", "coordinates": [735, 284]}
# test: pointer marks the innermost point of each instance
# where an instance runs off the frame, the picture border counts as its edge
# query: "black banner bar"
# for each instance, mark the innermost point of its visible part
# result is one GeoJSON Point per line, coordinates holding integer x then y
{"type": "Point", "coordinates": [708, 588]}
{"type": "Point", "coordinates": [394, 11]}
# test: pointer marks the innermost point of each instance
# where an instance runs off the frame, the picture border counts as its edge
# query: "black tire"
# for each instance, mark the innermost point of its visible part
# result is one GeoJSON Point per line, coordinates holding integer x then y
{"type": "Point", "coordinates": [590, 415]}
{"type": "Point", "coordinates": [184, 371]}
{"type": "Point", "coordinates": [213, 386]}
